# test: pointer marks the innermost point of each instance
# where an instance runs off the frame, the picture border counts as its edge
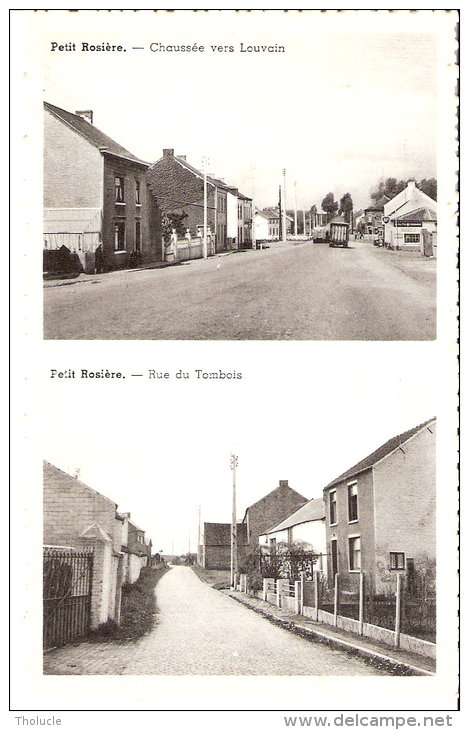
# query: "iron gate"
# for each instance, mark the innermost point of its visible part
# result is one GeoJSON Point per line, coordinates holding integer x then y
{"type": "Point", "coordinates": [67, 580]}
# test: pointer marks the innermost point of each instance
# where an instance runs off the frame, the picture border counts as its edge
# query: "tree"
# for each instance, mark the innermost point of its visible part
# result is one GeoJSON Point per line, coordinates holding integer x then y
{"type": "Point", "coordinates": [330, 206]}
{"type": "Point", "coordinates": [346, 207]}
{"type": "Point", "coordinates": [176, 221]}
{"type": "Point", "coordinates": [391, 186]}
{"type": "Point", "coordinates": [429, 187]}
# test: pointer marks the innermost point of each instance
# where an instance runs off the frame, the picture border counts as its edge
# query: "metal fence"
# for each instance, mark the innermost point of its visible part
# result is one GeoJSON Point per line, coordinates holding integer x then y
{"type": "Point", "coordinates": [67, 581]}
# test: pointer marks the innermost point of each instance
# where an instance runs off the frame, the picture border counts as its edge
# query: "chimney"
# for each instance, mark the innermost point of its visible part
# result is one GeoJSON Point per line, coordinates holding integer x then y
{"type": "Point", "coordinates": [87, 115]}
{"type": "Point", "coordinates": [283, 483]}
{"type": "Point", "coordinates": [168, 153]}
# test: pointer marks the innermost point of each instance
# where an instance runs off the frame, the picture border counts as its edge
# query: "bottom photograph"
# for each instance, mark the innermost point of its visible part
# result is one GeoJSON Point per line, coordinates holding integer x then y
{"type": "Point", "coordinates": [195, 559]}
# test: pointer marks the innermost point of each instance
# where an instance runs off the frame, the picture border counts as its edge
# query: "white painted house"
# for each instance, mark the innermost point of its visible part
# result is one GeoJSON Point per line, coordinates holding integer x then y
{"type": "Point", "coordinates": [304, 528]}
{"type": "Point", "coordinates": [409, 219]}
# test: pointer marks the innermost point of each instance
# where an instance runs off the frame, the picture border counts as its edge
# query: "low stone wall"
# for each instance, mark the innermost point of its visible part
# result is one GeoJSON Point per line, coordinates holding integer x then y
{"type": "Point", "coordinates": [410, 643]}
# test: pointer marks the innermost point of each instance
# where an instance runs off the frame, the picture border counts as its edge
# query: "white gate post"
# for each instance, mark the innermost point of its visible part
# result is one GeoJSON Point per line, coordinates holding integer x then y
{"type": "Point", "coordinates": [279, 592]}
{"type": "Point", "coordinates": [336, 597]}
{"type": "Point", "coordinates": [316, 594]}
{"type": "Point", "coordinates": [265, 583]}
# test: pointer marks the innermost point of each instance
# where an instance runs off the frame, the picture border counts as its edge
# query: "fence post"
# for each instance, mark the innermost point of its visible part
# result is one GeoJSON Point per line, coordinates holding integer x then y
{"type": "Point", "coordinates": [298, 601]}
{"type": "Point", "coordinates": [316, 594]}
{"type": "Point", "coordinates": [265, 582]}
{"type": "Point", "coordinates": [279, 592]}
{"type": "Point", "coordinates": [336, 597]}
{"type": "Point", "coordinates": [361, 598]}
{"type": "Point", "coordinates": [397, 631]}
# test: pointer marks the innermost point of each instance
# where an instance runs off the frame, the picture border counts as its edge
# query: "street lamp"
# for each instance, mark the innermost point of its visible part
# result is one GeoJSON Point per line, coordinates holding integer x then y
{"type": "Point", "coordinates": [234, 535]}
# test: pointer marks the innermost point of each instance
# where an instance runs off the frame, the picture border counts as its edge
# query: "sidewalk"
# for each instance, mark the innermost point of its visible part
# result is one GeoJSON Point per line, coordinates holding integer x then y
{"type": "Point", "coordinates": [398, 661]}
{"type": "Point", "coordinates": [82, 278]}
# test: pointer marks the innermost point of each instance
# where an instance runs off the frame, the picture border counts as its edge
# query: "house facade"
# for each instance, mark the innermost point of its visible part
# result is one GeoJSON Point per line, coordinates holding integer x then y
{"type": "Point", "coordinates": [373, 218]}
{"type": "Point", "coordinates": [304, 529]}
{"type": "Point", "coordinates": [178, 187]}
{"type": "Point", "coordinates": [380, 514]}
{"type": "Point", "coordinates": [410, 220]}
{"type": "Point", "coordinates": [95, 194]}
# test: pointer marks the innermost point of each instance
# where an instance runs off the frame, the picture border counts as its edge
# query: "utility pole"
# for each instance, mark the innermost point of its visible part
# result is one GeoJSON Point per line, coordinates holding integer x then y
{"type": "Point", "coordinates": [280, 213]}
{"type": "Point", "coordinates": [284, 205]}
{"type": "Point", "coordinates": [253, 207]}
{"type": "Point", "coordinates": [234, 535]}
{"type": "Point", "coordinates": [305, 234]}
{"type": "Point", "coordinates": [199, 546]}
{"type": "Point", "coordinates": [296, 214]}
{"type": "Point", "coordinates": [205, 253]}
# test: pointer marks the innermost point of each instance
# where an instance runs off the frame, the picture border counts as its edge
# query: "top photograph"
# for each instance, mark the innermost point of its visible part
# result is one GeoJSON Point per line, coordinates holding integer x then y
{"type": "Point", "coordinates": [230, 175]}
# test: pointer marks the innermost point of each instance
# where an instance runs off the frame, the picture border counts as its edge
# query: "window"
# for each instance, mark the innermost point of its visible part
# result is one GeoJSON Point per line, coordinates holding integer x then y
{"type": "Point", "coordinates": [352, 502]}
{"type": "Point", "coordinates": [354, 553]}
{"type": "Point", "coordinates": [119, 235]}
{"type": "Point", "coordinates": [119, 189]}
{"type": "Point", "coordinates": [333, 507]}
{"type": "Point", "coordinates": [137, 236]}
{"type": "Point", "coordinates": [411, 237]}
{"type": "Point", "coordinates": [396, 561]}
{"type": "Point", "coordinates": [137, 192]}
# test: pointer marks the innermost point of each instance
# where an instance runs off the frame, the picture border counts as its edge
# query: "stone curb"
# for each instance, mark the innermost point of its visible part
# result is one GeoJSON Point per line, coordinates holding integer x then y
{"type": "Point", "coordinates": [373, 657]}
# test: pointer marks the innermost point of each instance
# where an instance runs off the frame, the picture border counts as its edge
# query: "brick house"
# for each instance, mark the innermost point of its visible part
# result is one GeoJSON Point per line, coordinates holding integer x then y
{"type": "Point", "coordinates": [215, 548]}
{"type": "Point", "coordinates": [76, 518]}
{"type": "Point", "coordinates": [178, 187]}
{"type": "Point", "coordinates": [380, 513]}
{"type": "Point", "coordinates": [95, 192]}
{"type": "Point", "coordinates": [373, 218]}
{"type": "Point", "coordinates": [304, 528]}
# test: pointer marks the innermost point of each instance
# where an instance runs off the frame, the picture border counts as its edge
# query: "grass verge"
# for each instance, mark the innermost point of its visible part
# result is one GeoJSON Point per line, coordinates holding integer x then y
{"type": "Point", "coordinates": [138, 610]}
{"type": "Point", "coordinates": [218, 579]}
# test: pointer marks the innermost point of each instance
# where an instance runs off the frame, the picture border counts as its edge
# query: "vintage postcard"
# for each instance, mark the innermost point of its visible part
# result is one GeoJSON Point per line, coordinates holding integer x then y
{"type": "Point", "coordinates": [236, 384]}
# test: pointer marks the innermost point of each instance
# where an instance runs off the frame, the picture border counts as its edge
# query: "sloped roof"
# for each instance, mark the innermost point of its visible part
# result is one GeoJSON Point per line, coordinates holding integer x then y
{"type": "Point", "coordinates": [309, 512]}
{"type": "Point", "coordinates": [280, 487]}
{"type": "Point", "coordinates": [219, 533]}
{"type": "Point", "coordinates": [49, 470]}
{"type": "Point", "coordinates": [418, 215]}
{"type": "Point", "coordinates": [94, 135]}
{"type": "Point", "coordinates": [71, 220]}
{"type": "Point", "coordinates": [380, 453]}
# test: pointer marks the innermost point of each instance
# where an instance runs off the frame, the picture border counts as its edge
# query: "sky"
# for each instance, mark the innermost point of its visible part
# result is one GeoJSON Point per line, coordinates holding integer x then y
{"type": "Point", "coordinates": [341, 108]}
{"type": "Point", "coordinates": [162, 449]}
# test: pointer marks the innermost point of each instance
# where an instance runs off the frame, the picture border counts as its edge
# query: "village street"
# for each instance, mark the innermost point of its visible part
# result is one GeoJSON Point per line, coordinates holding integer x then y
{"type": "Point", "coordinates": [293, 291]}
{"type": "Point", "coordinates": [201, 631]}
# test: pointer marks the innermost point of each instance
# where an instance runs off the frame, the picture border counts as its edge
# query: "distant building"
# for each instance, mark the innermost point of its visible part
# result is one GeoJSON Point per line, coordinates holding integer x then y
{"type": "Point", "coordinates": [373, 218]}
{"type": "Point", "coordinates": [380, 513]}
{"type": "Point", "coordinates": [95, 194]}
{"type": "Point", "coordinates": [215, 548]}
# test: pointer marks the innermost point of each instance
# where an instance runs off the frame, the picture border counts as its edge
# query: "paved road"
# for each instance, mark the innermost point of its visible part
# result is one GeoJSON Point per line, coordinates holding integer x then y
{"type": "Point", "coordinates": [201, 631]}
{"type": "Point", "coordinates": [297, 292]}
